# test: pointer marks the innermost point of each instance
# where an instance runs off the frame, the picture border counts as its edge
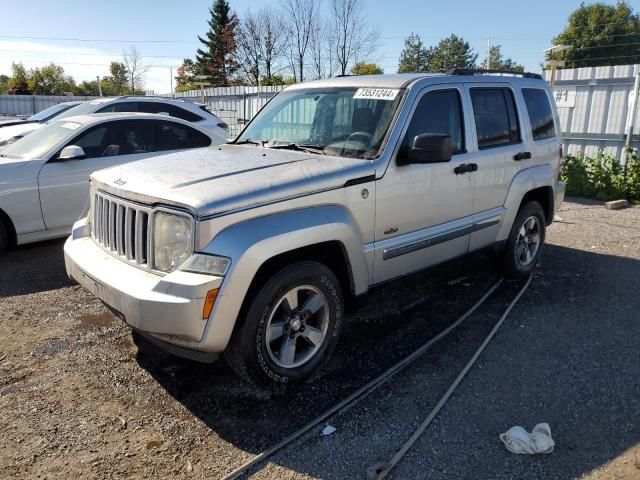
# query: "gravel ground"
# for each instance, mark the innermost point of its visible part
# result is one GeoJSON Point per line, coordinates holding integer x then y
{"type": "Point", "coordinates": [81, 398]}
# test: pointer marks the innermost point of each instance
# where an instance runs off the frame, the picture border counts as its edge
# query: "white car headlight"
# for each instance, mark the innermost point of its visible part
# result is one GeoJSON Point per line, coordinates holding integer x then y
{"type": "Point", "coordinates": [173, 240]}
{"type": "Point", "coordinates": [207, 264]}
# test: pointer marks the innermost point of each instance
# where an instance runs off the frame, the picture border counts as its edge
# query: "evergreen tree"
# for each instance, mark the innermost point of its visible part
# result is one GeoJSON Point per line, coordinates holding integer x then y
{"type": "Point", "coordinates": [414, 57]}
{"type": "Point", "coordinates": [498, 62]}
{"type": "Point", "coordinates": [451, 52]}
{"type": "Point", "coordinates": [216, 59]}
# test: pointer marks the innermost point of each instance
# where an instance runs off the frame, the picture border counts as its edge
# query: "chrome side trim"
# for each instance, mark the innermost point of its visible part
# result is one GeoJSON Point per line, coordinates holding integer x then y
{"type": "Point", "coordinates": [476, 223]}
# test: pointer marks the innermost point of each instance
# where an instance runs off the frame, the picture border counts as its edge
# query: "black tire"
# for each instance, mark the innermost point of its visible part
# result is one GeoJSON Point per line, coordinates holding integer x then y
{"type": "Point", "coordinates": [514, 254]}
{"type": "Point", "coordinates": [4, 237]}
{"type": "Point", "coordinates": [248, 353]}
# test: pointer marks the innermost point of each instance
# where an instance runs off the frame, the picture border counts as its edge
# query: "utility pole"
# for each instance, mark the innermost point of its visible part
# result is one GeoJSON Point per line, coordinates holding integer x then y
{"type": "Point", "coordinates": [488, 53]}
{"type": "Point", "coordinates": [99, 86]}
{"type": "Point", "coordinates": [171, 80]}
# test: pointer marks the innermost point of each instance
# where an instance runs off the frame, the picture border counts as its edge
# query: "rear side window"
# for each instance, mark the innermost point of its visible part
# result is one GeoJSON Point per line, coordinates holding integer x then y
{"type": "Point", "coordinates": [120, 107]}
{"type": "Point", "coordinates": [540, 114]}
{"type": "Point", "coordinates": [172, 110]}
{"type": "Point", "coordinates": [496, 117]}
{"type": "Point", "coordinates": [174, 136]}
{"type": "Point", "coordinates": [438, 112]}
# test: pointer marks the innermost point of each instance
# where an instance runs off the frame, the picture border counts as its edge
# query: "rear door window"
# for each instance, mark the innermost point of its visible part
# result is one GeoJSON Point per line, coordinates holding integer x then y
{"type": "Point", "coordinates": [175, 136]}
{"type": "Point", "coordinates": [495, 116]}
{"type": "Point", "coordinates": [120, 107]}
{"type": "Point", "coordinates": [172, 110]}
{"type": "Point", "coordinates": [540, 114]}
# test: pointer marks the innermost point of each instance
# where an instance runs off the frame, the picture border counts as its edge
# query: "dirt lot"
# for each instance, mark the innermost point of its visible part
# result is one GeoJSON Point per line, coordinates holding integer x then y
{"type": "Point", "coordinates": [79, 398]}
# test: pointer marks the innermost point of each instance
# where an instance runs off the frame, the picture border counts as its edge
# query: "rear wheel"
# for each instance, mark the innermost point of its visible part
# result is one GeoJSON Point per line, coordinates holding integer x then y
{"type": "Point", "coordinates": [291, 327]}
{"type": "Point", "coordinates": [4, 236]}
{"type": "Point", "coordinates": [525, 240]}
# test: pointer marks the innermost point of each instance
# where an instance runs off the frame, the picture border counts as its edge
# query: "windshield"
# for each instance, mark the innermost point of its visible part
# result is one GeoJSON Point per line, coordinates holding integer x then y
{"type": "Point", "coordinates": [83, 108]}
{"type": "Point", "coordinates": [347, 122]}
{"type": "Point", "coordinates": [38, 143]}
{"type": "Point", "coordinates": [49, 113]}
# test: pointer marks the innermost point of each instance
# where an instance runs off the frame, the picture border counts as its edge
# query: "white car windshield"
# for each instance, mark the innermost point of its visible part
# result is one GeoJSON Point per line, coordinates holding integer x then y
{"type": "Point", "coordinates": [347, 122]}
{"type": "Point", "coordinates": [83, 108]}
{"type": "Point", "coordinates": [49, 113]}
{"type": "Point", "coordinates": [38, 143]}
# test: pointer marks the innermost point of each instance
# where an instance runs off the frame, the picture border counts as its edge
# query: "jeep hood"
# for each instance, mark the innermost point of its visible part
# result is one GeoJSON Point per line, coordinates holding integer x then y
{"type": "Point", "coordinates": [224, 178]}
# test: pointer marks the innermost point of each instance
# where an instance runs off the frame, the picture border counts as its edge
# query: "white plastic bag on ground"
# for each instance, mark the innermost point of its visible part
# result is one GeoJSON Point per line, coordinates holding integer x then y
{"type": "Point", "coordinates": [518, 440]}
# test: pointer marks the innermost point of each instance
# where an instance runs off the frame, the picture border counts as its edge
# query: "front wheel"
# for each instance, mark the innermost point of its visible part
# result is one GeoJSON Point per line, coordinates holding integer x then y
{"type": "Point", "coordinates": [525, 240]}
{"type": "Point", "coordinates": [291, 327]}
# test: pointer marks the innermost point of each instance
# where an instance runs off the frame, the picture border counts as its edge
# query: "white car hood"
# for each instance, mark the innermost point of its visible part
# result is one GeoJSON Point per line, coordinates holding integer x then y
{"type": "Point", "coordinates": [220, 179]}
{"type": "Point", "coordinates": [18, 130]}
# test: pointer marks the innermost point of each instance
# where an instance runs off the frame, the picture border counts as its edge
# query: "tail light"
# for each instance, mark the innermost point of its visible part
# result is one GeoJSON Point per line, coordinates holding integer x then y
{"type": "Point", "coordinates": [224, 126]}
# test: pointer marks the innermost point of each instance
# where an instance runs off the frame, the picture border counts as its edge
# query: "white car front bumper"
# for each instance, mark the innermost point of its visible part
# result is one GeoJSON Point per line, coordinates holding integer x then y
{"type": "Point", "coordinates": [169, 308]}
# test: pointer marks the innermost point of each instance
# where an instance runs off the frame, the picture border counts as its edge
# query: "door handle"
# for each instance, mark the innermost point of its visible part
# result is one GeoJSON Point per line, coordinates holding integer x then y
{"type": "Point", "coordinates": [522, 156]}
{"type": "Point", "coordinates": [465, 168]}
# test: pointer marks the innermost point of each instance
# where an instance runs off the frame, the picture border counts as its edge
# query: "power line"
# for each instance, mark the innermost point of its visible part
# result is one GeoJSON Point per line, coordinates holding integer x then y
{"type": "Point", "coordinates": [89, 54]}
{"type": "Point", "coordinates": [95, 39]}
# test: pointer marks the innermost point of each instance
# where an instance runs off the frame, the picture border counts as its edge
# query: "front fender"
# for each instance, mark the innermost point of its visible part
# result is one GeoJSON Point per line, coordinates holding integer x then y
{"type": "Point", "coordinates": [251, 243]}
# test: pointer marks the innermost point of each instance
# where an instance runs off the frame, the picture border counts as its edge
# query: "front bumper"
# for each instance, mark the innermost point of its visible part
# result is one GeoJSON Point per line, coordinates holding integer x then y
{"type": "Point", "coordinates": [167, 307]}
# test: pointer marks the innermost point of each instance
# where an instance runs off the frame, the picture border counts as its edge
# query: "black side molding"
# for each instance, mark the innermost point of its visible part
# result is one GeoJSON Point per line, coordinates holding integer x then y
{"type": "Point", "coordinates": [358, 181]}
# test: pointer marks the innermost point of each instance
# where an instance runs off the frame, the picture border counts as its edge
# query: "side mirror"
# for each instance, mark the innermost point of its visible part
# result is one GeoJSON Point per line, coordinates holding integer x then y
{"type": "Point", "coordinates": [71, 152]}
{"type": "Point", "coordinates": [429, 148]}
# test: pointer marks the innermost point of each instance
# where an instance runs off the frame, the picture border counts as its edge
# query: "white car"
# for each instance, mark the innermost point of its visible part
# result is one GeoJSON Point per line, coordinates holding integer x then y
{"type": "Point", "coordinates": [15, 129]}
{"type": "Point", "coordinates": [44, 178]}
{"type": "Point", "coordinates": [175, 107]}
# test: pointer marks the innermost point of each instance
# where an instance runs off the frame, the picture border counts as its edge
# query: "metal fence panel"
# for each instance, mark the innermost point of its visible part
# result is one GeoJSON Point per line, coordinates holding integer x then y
{"type": "Point", "coordinates": [594, 108]}
{"type": "Point", "coordinates": [30, 104]}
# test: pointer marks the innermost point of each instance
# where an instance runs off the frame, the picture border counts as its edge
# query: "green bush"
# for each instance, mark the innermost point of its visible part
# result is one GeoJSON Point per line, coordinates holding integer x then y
{"type": "Point", "coordinates": [602, 177]}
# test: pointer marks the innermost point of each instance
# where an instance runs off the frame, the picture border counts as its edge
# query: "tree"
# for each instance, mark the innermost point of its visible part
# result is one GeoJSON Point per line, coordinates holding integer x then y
{"type": "Point", "coordinates": [277, 79]}
{"type": "Point", "coordinates": [249, 53]}
{"type": "Point", "coordinates": [600, 34]}
{"type": "Point", "coordinates": [300, 17]}
{"type": "Point", "coordinates": [451, 52]}
{"type": "Point", "coordinates": [50, 80]}
{"type": "Point", "coordinates": [88, 88]}
{"type": "Point", "coordinates": [217, 59]}
{"type": "Point", "coordinates": [117, 83]}
{"type": "Point", "coordinates": [18, 84]}
{"type": "Point", "coordinates": [321, 48]}
{"type": "Point", "coordinates": [186, 76]}
{"type": "Point", "coordinates": [135, 69]}
{"type": "Point", "coordinates": [3, 84]}
{"type": "Point", "coordinates": [498, 62]}
{"type": "Point", "coordinates": [274, 38]}
{"type": "Point", "coordinates": [414, 57]}
{"type": "Point", "coordinates": [353, 39]}
{"type": "Point", "coordinates": [362, 68]}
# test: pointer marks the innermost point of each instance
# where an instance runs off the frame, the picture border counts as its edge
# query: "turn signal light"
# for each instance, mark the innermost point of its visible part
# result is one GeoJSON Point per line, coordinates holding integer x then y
{"type": "Point", "coordinates": [209, 302]}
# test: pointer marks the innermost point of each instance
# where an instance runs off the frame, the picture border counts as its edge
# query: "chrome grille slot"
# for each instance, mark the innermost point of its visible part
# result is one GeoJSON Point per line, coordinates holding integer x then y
{"type": "Point", "coordinates": [123, 229]}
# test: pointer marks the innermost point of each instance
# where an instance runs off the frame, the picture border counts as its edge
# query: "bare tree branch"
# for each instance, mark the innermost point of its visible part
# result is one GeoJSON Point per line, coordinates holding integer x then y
{"type": "Point", "coordinates": [353, 38]}
{"type": "Point", "coordinates": [301, 15]}
{"type": "Point", "coordinates": [136, 69]}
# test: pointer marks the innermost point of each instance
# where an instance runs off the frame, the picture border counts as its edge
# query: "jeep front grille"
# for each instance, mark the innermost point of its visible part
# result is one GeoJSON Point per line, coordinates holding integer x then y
{"type": "Point", "coordinates": [122, 228]}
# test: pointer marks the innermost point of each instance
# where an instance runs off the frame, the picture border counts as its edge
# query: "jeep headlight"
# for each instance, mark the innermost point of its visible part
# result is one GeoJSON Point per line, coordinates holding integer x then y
{"type": "Point", "coordinates": [172, 240]}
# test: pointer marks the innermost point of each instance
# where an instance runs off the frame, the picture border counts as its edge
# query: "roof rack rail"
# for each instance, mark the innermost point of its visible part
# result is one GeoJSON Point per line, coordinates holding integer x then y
{"type": "Point", "coordinates": [473, 71]}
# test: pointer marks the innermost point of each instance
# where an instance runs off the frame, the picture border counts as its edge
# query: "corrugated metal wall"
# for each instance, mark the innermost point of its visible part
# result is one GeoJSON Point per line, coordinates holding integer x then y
{"type": "Point", "coordinates": [594, 105]}
{"type": "Point", "coordinates": [30, 104]}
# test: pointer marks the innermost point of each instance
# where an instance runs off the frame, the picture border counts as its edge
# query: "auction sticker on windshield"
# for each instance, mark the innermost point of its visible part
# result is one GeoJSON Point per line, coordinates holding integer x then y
{"type": "Point", "coordinates": [377, 93]}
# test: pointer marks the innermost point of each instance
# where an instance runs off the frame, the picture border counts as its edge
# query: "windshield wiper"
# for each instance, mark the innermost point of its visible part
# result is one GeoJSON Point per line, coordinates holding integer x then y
{"type": "Point", "coordinates": [248, 141]}
{"type": "Point", "coordinates": [317, 149]}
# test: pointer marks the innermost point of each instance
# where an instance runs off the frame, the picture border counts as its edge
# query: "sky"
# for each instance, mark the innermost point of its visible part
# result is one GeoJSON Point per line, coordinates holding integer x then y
{"type": "Point", "coordinates": [166, 32]}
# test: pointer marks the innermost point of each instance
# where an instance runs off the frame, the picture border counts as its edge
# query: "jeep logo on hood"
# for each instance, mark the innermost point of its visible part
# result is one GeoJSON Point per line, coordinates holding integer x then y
{"type": "Point", "coordinates": [119, 182]}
